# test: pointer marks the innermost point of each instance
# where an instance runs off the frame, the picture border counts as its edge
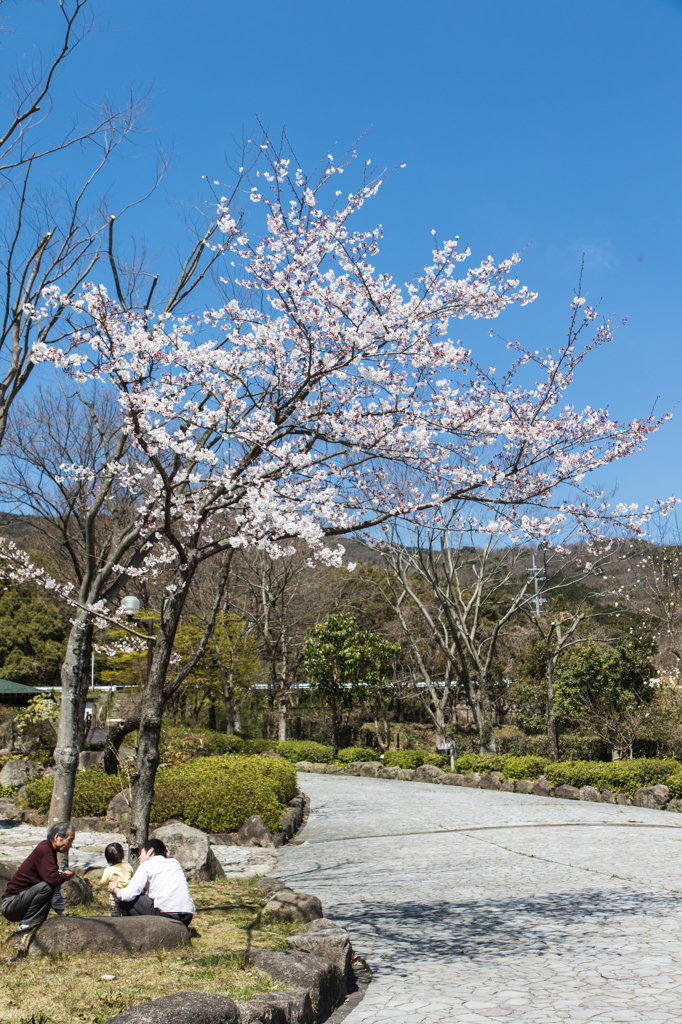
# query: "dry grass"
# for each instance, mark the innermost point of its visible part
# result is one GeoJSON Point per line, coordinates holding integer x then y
{"type": "Point", "coordinates": [67, 990]}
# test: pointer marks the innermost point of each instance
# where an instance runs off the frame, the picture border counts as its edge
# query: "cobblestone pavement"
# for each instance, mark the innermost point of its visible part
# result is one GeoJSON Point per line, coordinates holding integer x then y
{"type": "Point", "coordinates": [532, 910]}
{"type": "Point", "coordinates": [17, 841]}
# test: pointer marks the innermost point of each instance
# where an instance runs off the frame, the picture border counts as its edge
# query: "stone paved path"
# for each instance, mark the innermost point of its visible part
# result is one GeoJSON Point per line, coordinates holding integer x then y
{"type": "Point", "coordinates": [576, 917]}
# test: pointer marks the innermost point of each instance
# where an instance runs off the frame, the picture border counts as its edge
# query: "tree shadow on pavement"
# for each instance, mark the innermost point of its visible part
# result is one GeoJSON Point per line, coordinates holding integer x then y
{"type": "Point", "coordinates": [563, 922]}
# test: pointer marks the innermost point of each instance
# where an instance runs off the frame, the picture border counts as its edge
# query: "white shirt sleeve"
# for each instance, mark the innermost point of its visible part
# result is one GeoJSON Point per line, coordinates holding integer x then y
{"type": "Point", "coordinates": [137, 883]}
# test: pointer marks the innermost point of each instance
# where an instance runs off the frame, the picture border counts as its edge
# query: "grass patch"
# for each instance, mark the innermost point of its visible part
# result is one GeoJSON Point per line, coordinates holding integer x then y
{"type": "Point", "coordinates": [70, 990]}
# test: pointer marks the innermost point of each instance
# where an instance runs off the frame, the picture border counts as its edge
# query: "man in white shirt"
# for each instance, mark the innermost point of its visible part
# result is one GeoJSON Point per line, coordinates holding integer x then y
{"type": "Point", "coordinates": [165, 881]}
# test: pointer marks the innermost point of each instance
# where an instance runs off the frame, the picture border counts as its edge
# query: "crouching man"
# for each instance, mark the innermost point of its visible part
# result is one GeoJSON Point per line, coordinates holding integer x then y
{"type": "Point", "coordinates": [163, 877]}
{"type": "Point", "coordinates": [31, 888]}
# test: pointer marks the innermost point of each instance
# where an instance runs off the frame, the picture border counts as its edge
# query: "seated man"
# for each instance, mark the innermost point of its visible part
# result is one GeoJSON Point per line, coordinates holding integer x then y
{"type": "Point", "coordinates": [163, 876]}
{"type": "Point", "coordinates": [29, 892]}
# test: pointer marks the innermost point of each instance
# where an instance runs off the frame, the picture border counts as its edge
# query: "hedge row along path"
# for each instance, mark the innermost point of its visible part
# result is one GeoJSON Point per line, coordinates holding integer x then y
{"type": "Point", "coordinates": [465, 916]}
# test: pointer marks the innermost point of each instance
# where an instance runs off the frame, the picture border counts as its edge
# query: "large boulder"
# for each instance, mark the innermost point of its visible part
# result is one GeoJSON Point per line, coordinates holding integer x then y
{"type": "Point", "coordinates": [471, 781]}
{"type": "Point", "coordinates": [524, 786]}
{"type": "Point", "coordinates": [322, 978]}
{"type": "Point", "coordinates": [286, 905]}
{"type": "Point", "coordinates": [507, 786]}
{"type": "Point", "coordinates": [256, 1011]}
{"type": "Point", "coordinates": [111, 935]}
{"type": "Point", "coordinates": [406, 774]}
{"type": "Point", "coordinates": [624, 799]}
{"type": "Point", "coordinates": [17, 773]}
{"type": "Point", "coordinates": [181, 1008]}
{"type": "Point", "coordinates": [429, 773]}
{"type": "Point", "coordinates": [254, 832]}
{"type": "Point", "coordinates": [89, 758]}
{"type": "Point", "coordinates": [8, 808]}
{"type": "Point", "coordinates": [590, 793]}
{"type": "Point", "coordinates": [370, 769]}
{"type": "Point", "coordinates": [330, 943]}
{"type": "Point", "coordinates": [607, 797]}
{"type": "Point", "coordinates": [453, 779]}
{"type": "Point", "coordinates": [490, 780]}
{"type": "Point", "coordinates": [542, 787]}
{"type": "Point", "coordinates": [675, 806]}
{"type": "Point", "coordinates": [77, 892]}
{"type": "Point", "coordinates": [566, 792]}
{"type": "Point", "coordinates": [304, 766]}
{"type": "Point", "coordinates": [193, 849]}
{"type": "Point", "coordinates": [295, 1003]}
{"type": "Point", "coordinates": [120, 806]}
{"type": "Point", "coordinates": [655, 797]}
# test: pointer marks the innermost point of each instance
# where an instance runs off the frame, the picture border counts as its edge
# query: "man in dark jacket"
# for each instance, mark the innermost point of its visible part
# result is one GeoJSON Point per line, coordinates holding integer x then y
{"type": "Point", "coordinates": [29, 892]}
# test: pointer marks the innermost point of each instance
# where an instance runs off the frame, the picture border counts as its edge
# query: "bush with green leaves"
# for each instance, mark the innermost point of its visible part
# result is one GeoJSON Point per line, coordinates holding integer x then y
{"type": "Point", "coordinates": [619, 776]}
{"type": "Point", "coordinates": [220, 803]}
{"type": "Point", "coordinates": [92, 793]}
{"type": "Point", "coordinates": [404, 758]}
{"type": "Point", "coordinates": [348, 754]}
{"type": "Point", "coordinates": [512, 767]}
{"type": "Point", "coordinates": [305, 750]}
{"type": "Point", "coordinates": [8, 792]}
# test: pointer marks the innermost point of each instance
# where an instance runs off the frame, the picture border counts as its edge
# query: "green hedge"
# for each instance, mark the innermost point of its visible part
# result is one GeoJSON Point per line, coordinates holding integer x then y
{"type": "Point", "coordinates": [348, 754]}
{"type": "Point", "coordinates": [404, 758]}
{"type": "Point", "coordinates": [276, 773]}
{"type": "Point", "coordinates": [512, 766]}
{"type": "Point", "coordinates": [92, 794]}
{"type": "Point", "coordinates": [220, 804]}
{"type": "Point", "coordinates": [620, 776]}
{"type": "Point", "coordinates": [305, 750]}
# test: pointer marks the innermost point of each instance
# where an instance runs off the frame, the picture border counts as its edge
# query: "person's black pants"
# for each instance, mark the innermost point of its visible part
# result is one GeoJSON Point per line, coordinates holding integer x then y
{"type": "Point", "coordinates": [143, 906]}
{"type": "Point", "coordinates": [31, 906]}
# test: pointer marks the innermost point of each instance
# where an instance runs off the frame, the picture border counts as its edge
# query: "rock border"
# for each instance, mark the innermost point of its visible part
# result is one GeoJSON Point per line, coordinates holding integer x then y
{"type": "Point", "coordinates": [654, 797]}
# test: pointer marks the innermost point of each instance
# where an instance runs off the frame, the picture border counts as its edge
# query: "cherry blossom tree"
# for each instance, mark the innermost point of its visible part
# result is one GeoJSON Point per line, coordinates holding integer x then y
{"type": "Point", "coordinates": [321, 399]}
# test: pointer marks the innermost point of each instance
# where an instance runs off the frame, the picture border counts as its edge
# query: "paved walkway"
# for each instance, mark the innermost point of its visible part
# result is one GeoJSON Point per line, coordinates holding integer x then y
{"type": "Point", "coordinates": [533, 910]}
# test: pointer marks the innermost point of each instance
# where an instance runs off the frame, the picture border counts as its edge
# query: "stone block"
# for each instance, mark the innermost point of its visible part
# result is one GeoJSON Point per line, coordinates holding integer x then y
{"type": "Point", "coordinates": [566, 792]}
{"type": "Point", "coordinates": [369, 769]}
{"type": "Point", "coordinates": [453, 779]}
{"type": "Point", "coordinates": [675, 805]}
{"type": "Point", "coordinates": [490, 780]}
{"type": "Point", "coordinates": [429, 773]}
{"type": "Point", "coordinates": [542, 787]}
{"type": "Point", "coordinates": [321, 977]}
{"type": "Point", "coordinates": [471, 781]}
{"type": "Point", "coordinates": [655, 797]}
{"type": "Point", "coordinates": [319, 769]}
{"type": "Point", "coordinates": [330, 943]}
{"type": "Point", "coordinates": [255, 1011]}
{"type": "Point", "coordinates": [304, 766]}
{"type": "Point", "coordinates": [192, 848]}
{"type": "Point", "coordinates": [286, 905]}
{"type": "Point", "coordinates": [111, 935]}
{"type": "Point", "coordinates": [390, 773]}
{"type": "Point", "coordinates": [334, 769]}
{"type": "Point", "coordinates": [89, 758]}
{"type": "Point", "coordinates": [406, 774]}
{"type": "Point", "coordinates": [507, 786]}
{"type": "Point", "coordinates": [77, 892]}
{"type": "Point", "coordinates": [523, 786]}
{"type": "Point", "coordinates": [17, 773]}
{"type": "Point", "coordinates": [590, 793]}
{"type": "Point", "coordinates": [182, 1008]}
{"type": "Point", "coordinates": [295, 1003]}
{"type": "Point", "coordinates": [254, 832]}
{"type": "Point", "coordinates": [608, 797]}
{"type": "Point", "coordinates": [119, 806]}
{"type": "Point", "coordinates": [624, 799]}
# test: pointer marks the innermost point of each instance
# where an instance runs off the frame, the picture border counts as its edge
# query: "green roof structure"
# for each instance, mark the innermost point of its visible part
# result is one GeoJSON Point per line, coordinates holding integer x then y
{"type": "Point", "coordinates": [7, 686]}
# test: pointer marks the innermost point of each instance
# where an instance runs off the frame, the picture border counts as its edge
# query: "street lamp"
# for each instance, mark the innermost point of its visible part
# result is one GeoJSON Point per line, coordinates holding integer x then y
{"type": "Point", "coordinates": [131, 607]}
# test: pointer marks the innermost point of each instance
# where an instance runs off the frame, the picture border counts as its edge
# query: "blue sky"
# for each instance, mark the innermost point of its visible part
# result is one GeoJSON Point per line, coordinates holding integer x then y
{"type": "Point", "coordinates": [549, 125]}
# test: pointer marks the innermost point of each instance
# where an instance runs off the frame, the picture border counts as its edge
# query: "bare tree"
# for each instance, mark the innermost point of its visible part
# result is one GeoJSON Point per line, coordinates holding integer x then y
{"type": "Point", "coordinates": [52, 228]}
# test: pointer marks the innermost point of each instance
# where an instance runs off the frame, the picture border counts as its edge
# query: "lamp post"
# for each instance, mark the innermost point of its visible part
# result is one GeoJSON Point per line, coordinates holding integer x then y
{"type": "Point", "coordinates": [131, 606]}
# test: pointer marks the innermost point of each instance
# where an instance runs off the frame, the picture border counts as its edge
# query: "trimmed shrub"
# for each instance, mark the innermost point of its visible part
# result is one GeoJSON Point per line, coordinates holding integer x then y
{"type": "Point", "coordinates": [524, 767]}
{"type": "Point", "coordinates": [348, 754]}
{"type": "Point", "coordinates": [276, 773]}
{"type": "Point", "coordinates": [92, 793]}
{"type": "Point", "coordinates": [219, 804]}
{"type": "Point", "coordinates": [620, 776]}
{"type": "Point", "coordinates": [305, 750]}
{"type": "Point", "coordinates": [179, 745]}
{"type": "Point", "coordinates": [404, 758]}
{"type": "Point", "coordinates": [7, 792]}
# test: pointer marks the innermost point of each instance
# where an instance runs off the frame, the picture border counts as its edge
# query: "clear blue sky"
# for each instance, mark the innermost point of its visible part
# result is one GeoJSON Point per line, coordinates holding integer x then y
{"type": "Point", "coordinates": [552, 124]}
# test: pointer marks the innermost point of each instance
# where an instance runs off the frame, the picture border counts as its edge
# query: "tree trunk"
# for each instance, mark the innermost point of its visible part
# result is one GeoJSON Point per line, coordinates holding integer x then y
{"type": "Point", "coordinates": [487, 732]}
{"type": "Point", "coordinates": [229, 715]}
{"type": "Point", "coordinates": [151, 717]}
{"type": "Point", "coordinates": [552, 736]}
{"type": "Point", "coordinates": [117, 734]}
{"type": "Point", "coordinates": [282, 711]}
{"type": "Point", "coordinates": [237, 706]}
{"type": "Point", "coordinates": [212, 723]}
{"type": "Point", "coordinates": [74, 681]}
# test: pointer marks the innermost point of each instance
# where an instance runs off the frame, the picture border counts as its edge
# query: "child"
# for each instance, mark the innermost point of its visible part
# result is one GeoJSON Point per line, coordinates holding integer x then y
{"type": "Point", "coordinates": [117, 869]}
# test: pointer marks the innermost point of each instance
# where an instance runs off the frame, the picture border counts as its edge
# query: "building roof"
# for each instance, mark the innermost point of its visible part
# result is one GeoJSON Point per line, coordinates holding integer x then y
{"type": "Point", "coordinates": [6, 686]}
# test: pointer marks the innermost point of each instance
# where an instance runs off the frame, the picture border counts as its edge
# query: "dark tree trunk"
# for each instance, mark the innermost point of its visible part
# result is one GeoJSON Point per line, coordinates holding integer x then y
{"type": "Point", "coordinates": [552, 735]}
{"type": "Point", "coordinates": [117, 734]}
{"type": "Point", "coordinates": [212, 724]}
